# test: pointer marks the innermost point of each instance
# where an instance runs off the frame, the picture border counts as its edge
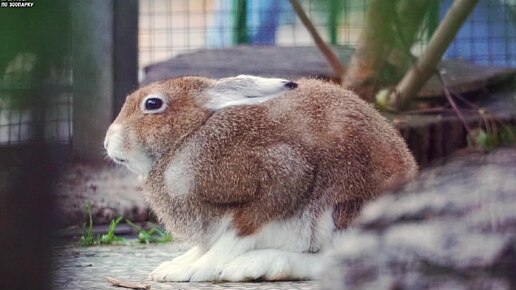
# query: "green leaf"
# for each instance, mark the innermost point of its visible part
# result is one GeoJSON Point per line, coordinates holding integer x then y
{"type": "Point", "coordinates": [87, 239]}
{"type": "Point", "coordinates": [110, 237]}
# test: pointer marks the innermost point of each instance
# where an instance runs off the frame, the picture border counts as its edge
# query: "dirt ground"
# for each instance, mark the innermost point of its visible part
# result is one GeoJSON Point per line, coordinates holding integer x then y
{"type": "Point", "coordinates": [112, 192]}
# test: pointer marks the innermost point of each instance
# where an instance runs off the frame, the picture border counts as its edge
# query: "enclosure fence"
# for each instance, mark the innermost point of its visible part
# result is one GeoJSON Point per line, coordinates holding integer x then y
{"type": "Point", "coordinates": [171, 27]}
{"type": "Point", "coordinates": [167, 28]}
{"type": "Point", "coordinates": [36, 72]}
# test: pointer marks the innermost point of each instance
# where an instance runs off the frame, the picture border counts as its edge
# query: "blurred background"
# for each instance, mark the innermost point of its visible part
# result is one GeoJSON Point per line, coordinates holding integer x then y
{"type": "Point", "coordinates": [138, 34]}
{"type": "Point", "coordinates": [168, 28]}
{"type": "Point", "coordinates": [67, 66]}
{"type": "Point", "coordinates": [149, 32]}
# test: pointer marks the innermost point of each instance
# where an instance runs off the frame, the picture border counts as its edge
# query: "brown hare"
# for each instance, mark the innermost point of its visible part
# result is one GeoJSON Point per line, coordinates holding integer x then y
{"type": "Point", "coordinates": [259, 175]}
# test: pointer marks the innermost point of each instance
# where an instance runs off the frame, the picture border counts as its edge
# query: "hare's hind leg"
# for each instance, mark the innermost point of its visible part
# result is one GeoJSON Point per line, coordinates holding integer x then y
{"type": "Point", "coordinates": [272, 265]}
{"type": "Point", "coordinates": [289, 249]}
{"type": "Point", "coordinates": [282, 253]}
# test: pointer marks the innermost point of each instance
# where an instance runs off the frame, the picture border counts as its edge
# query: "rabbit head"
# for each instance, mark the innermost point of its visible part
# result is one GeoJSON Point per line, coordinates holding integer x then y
{"type": "Point", "coordinates": [155, 118]}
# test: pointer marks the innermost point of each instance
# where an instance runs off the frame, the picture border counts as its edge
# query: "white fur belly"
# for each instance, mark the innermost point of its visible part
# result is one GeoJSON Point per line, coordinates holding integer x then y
{"type": "Point", "coordinates": [297, 234]}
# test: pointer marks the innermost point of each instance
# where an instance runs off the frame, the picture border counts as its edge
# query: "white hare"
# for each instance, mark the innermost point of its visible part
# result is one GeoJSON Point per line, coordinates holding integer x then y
{"type": "Point", "coordinates": [258, 174]}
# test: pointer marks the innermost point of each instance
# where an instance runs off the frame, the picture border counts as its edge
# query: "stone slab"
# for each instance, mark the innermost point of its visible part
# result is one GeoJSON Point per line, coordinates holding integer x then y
{"type": "Point", "coordinates": [295, 62]}
{"type": "Point", "coordinates": [454, 227]}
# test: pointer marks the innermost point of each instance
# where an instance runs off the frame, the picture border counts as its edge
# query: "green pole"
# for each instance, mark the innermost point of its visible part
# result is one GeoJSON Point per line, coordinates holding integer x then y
{"type": "Point", "coordinates": [240, 35]}
{"type": "Point", "coordinates": [334, 7]}
{"type": "Point", "coordinates": [432, 19]}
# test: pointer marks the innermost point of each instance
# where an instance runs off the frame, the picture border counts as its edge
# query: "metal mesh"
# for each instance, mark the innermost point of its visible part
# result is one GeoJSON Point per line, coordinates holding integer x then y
{"type": "Point", "coordinates": [35, 90]}
{"type": "Point", "coordinates": [489, 35]}
{"type": "Point", "coordinates": [171, 27]}
{"type": "Point", "coordinates": [15, 125]}
{"type": "Point", "coordinates": [16, 116]}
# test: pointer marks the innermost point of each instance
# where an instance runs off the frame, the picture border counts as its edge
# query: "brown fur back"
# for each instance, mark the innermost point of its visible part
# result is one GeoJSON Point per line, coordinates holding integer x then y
{"type": "Point", "coordinates": [316, 147]}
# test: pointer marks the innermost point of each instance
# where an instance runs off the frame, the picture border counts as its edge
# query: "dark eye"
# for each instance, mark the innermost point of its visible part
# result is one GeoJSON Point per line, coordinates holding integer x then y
{"type": "Point", "coordinates": [152, 104]}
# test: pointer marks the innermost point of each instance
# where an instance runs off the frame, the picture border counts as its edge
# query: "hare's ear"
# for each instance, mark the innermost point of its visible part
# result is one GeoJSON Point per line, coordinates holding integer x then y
{"type": "Point", "coordinates": [245, 90]}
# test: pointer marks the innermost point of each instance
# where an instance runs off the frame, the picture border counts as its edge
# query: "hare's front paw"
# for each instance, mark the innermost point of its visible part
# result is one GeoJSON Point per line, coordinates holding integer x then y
{"type": "Point", "coordinates": [170, 271]}
{"type": "Point", "coordinates": [175, 272]}
{"type": "Point", "coordinates": [178, 268]}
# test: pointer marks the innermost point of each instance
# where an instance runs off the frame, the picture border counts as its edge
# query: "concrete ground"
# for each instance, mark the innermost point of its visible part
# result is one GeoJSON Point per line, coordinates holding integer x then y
{"type": "Point", "coordinates": [87, 268]}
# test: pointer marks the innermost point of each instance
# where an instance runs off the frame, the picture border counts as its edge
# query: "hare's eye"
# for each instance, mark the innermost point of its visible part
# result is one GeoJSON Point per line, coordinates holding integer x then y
{"type": "Point", "coordinates": [153, 104]}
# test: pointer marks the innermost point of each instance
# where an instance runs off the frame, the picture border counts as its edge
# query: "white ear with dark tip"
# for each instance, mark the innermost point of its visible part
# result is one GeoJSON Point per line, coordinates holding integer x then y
{"type": "Point", "coordinates": [246, 90]}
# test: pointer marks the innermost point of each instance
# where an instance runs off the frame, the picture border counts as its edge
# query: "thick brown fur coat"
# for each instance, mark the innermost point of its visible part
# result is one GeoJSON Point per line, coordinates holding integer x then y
{"type": "Point", "coordinates": [317, 148]}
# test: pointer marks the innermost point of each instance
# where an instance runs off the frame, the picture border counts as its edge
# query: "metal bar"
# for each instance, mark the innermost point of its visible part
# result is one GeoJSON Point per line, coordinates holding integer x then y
{"type": "Point", "coordinates": [125, 51]}
{"type": "Point", "coordinates": [240, 19]}
{"type": "Point", "coordinates": [334, 8]}
{"type": "Point", "coordinates": [93, 76]}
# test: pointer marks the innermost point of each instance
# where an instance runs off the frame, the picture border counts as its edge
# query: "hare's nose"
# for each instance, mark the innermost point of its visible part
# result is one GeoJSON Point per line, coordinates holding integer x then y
{"type": "Point", "coordinates": [108, 135]}
{"type": "Point", "coordinates": [113, 130]}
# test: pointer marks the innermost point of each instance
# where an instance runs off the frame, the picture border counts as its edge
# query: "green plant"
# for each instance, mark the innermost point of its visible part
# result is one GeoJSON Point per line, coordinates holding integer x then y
{"type": "Point", "coordinates": [153, 235]}
{"type": "Point", "coordinates": [508, 136]}
{"type": "Point", "coordinates": [490, 139]}
{"type": "Point", "coordinates": [87, 238]}
{"type": "Point", "coordinates": [110, 237]}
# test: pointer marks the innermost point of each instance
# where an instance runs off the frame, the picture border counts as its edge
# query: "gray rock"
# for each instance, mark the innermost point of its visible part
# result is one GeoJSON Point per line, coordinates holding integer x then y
{"type": "Point", "coordinates": [265, 61]}
{"type": "Point", "coordinates": [452, 228]}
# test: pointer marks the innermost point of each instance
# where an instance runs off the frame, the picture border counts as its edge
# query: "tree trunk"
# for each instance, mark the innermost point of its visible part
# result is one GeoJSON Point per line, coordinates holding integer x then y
{"type": "Point", "coordinates": [390, 30]}
{"type": "Point", "coordinates": [372, 49]}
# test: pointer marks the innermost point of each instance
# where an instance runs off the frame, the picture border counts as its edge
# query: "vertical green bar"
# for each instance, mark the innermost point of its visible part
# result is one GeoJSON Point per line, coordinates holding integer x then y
{"type": "Point", "coordinates": [334, 7]}
{"type": "Point", "coordinates": [240, 19]}
{"type": "Point", "coordinates": [432, 19]}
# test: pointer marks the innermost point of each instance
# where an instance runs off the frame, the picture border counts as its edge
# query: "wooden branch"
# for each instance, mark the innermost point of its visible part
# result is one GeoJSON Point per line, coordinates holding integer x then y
{"type": "Point", "coordinates": [452, 102]}
{"type": "Point", "coordinates": [125, 284]}
{"type": "Point", "coordinates": [330, 56]}
{"type": "Point", "coordinates": [425, 66]}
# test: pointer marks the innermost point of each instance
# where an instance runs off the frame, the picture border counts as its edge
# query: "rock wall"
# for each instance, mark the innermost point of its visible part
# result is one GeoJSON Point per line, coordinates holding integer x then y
{"type": "Point", "coordinates": [452, 228]}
